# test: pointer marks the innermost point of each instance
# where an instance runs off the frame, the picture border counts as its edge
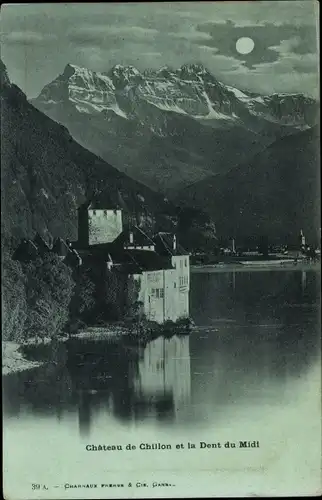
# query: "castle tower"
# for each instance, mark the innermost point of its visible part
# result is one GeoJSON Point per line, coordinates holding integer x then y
{"type": "Point", "coordinates": [98, 224]}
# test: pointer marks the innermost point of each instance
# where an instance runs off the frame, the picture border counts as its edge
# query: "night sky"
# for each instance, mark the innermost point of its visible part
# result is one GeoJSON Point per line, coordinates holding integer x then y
{"type": "Point", "coordinates": [38, 40]}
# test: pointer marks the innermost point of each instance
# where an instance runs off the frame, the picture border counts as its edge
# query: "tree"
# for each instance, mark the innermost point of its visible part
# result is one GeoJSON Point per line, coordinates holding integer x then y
{"type": "Point", "coordinates": [49, 288]}
{"type": "Point", "coordinates": [86, 293]}
{"type": "Point", "coordinates": [196, 230]}
{"type": "Point", "coordinates": [14, 303]}
{"type": "Point", "coordinates": [83, 300]}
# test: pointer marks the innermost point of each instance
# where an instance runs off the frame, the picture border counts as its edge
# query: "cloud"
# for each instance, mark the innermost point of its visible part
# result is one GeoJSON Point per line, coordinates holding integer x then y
{"type": "Point", "coordinates": [98, 35]}
{"type": "Point", "coordinates": [152, 54]}
{"type": "Point", "coordinates": [91, 57]}
{"type": "Point", "coordinates": [224, 63]}
{"type": "Point", "coordinates": [207, 48]}
{"type": "Point", "coordinates": [151, 35]}
{"type": "Point", "coordinates": [294, 72]}
{"type": "Point", "coordinates": [249, 13]}
{"type": "Point", "coordinates": [271, 40]}
{"type": "Point", "coordinates": [286, 46]}
{"type": "Point", "coordinates": [290, 63]}
{"type": "Point", "coordinates": [191, 35]}
{"type": "Point", "coordinates": [26, 38]}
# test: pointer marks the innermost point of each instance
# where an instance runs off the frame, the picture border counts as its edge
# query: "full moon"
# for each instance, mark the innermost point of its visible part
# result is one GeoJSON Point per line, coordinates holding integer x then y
{"type": "Point", "coordinates": [245, 45]}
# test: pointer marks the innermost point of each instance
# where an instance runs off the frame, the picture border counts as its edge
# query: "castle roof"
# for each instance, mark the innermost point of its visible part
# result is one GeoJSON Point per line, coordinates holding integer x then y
{"type": "Point", "coordinates": [73, 258]}
{"type": "Point", "coordinates": [140, 238]}
{"type": "Point", "coordinates": [60, 247]}
{"type": "Point", "coordinates": [99, 203]}
{"type": "Point", "coordinates": [164, 244]}
{"type": "Point", "coordinates": [141, 260]}
{"type": "Point", "coordinates": [131, 261]}
{"type": "Point", "coordinates": [41, 244]}
{"type": "Point", "coordinates": [25, 251]}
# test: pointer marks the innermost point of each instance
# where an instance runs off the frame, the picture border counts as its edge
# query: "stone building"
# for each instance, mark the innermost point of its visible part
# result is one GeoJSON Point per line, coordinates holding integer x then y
{"type": "Point", "coordinates": [98, 224]}
{"type": "Point", "coordinates": [126, 265]}
{"type": "Point", "coordinates": [155, 266]}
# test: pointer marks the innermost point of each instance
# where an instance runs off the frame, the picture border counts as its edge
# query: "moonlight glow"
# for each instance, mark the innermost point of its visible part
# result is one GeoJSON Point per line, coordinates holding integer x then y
{"type": "Point", "coordinates": [245, 45]}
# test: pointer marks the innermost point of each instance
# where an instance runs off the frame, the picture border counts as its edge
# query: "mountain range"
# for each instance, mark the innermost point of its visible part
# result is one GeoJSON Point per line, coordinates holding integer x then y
{"type": "Point", "coordinates": [269, 187]}
{"type": "Point", "coordinates": [172, 127]}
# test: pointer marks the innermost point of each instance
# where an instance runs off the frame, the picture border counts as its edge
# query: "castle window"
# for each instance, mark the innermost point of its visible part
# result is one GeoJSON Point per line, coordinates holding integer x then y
{"type": "Point", "coordinates": [159, 293]}
{"type": "Point", "coordinates": [105, 212]}
{"type": "Point", "coordinates": [175, 285]}
{"type": "Point", "coordinates": [183, 280]}
{"type": "Point", "coordinates": [185, 262]}
{"type": "Point", "coordinates": [94, 212]}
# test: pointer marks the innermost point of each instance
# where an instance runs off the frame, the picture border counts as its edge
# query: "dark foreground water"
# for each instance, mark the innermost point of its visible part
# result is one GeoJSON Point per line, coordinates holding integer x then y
{"type": "Point", "coordinates": [250, 370]}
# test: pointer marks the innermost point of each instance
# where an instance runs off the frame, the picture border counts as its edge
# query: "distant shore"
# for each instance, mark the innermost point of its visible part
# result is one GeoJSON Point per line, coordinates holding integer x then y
{"type": "Point", "coordinates": [256, 266]}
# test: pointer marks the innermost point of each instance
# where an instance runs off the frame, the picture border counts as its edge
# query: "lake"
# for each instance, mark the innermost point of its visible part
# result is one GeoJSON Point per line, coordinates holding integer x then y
{"type": "Point", "coordinates": [249, 371]}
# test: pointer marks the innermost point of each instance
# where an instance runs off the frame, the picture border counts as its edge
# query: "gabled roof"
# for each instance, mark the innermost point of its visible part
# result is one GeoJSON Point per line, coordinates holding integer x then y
{"type": "Point", "coordinates": [73, 257]}
{"type": "Point", "coordinates": [140, 238]}
{"type": "Point", "coordinates": [132, 261]}
{"type": "Point", "coordinates": [60, 247]}
{"type": "Point", "coordinates": [41, 243]}
{"type": "Point", "coordinates": [101, 248]}
{"type": "Point", "coordinates": [164, 244]}
{"type": "Point", "coordinates": [143, 260]}
{"type": "Point", "coordinates": [26, 250]}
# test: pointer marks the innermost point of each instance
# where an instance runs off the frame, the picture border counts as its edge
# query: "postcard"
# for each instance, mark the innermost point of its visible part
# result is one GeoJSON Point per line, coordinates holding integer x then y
{"type": "Point", "coordinates": [161, 250]}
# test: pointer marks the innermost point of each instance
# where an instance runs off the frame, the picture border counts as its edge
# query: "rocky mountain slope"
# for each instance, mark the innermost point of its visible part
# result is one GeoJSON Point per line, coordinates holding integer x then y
{"type": "Point", "coordinates": [276, 194]}
{"type": "Point", "coordinates": [169, 128]}
{"type": "Point", "coordinates": [46, 175]}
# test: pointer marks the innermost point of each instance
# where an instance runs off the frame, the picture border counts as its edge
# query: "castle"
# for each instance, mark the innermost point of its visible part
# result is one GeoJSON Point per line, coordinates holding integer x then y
{"type": "Point", "coordinates": [156, 266]}
{"type": "Point", "coordinates": [126, 264]}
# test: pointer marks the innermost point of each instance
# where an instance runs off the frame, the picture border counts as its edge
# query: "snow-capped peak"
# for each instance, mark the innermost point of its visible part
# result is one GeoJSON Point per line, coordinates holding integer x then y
{"type": "Point", "coordinates": [193, 68]}
{"type": "Point", "coordinates": [125, 69]}
{"type": "Point", "coordinates": [189, 90]}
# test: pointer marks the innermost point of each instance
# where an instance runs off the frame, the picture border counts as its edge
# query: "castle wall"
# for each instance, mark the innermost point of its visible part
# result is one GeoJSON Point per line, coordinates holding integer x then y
{"type": "Point", "coordinates": [171, 293]}
{"type": "Point", "coordinates": [151, 294]}
{"type": "Point", "coordinates": [165, 293]}
{"type": "Point", "coordinates": [104, 226]}
{"type": "Point", "coordinates": [182, 268]}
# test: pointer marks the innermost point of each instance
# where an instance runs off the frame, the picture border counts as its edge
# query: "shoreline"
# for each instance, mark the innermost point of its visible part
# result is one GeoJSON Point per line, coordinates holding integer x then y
{"type": "Point", "coordinates": [108, 332]}
{"type": "Point", "coordinates": [13, 361]}
{"type": "Point", "coordinates": [224, 268]}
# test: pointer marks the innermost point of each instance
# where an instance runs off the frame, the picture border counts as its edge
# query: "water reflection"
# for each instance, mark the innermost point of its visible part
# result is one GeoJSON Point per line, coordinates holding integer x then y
{"type": "Point", "coordinates": [146, 382]}
{"type": "Point", "coordinates": [129, 383]}
{"type": "Point", "coordinates": [303, 281]}
{"type": "Point", "coordinates": [256, 334]}
{"type": "Point", "coordinates": [162, 376]}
